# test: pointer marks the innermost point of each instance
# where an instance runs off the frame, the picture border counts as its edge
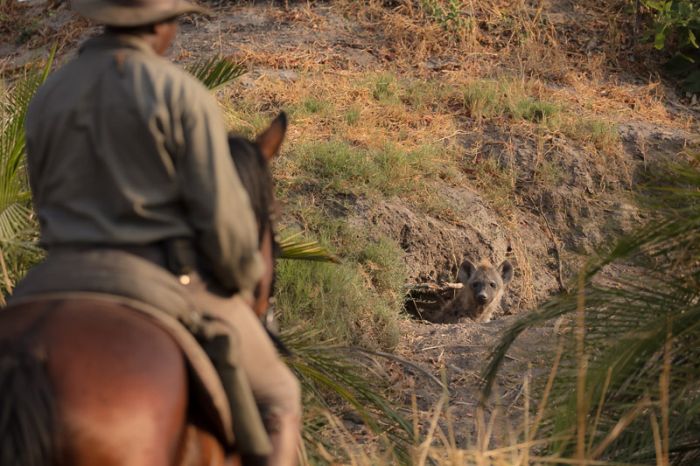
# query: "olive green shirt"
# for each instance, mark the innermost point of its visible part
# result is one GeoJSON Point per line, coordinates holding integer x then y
{"type": "Point", "coordinates": [125, 148]}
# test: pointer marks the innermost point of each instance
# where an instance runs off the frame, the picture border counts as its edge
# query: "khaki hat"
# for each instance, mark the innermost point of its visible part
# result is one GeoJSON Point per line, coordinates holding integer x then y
{"type": "Point", "coordinates": [132, 13]}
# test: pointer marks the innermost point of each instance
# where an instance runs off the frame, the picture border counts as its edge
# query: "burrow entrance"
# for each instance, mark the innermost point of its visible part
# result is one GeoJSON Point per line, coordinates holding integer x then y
{"type": "Point", "coordinates": [424, 301]}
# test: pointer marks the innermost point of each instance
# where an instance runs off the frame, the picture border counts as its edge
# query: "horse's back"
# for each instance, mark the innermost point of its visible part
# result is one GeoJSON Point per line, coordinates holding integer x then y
{"type": "Point", "coordinates": [119, 380]}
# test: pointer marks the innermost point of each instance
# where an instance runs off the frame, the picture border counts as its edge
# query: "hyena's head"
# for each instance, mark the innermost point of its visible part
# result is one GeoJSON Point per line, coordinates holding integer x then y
{"type": "Point", "coordinates": [485, 283]}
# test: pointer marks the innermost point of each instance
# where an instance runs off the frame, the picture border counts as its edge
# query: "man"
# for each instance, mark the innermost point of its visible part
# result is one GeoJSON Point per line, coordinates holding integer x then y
{"type": "Point", "coordinates": [128, 152]}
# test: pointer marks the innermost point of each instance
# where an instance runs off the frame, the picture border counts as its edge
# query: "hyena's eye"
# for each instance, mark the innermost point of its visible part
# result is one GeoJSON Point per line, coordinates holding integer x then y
{"type": "Point", "coordinates": [493, 284]}
{"type": "Point", "coordinates": [475, 285]}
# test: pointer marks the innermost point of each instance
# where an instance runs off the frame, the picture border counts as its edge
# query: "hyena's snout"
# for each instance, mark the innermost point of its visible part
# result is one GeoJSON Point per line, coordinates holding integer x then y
{"type": "Point", "coordinates": [482, 298]}
{"type": "Point", "coordinates": [482, 294]}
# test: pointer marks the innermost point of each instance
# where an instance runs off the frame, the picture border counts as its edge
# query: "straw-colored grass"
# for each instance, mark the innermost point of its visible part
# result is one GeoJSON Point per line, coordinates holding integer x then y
{"type": "Point", "coordinates": [493, 440]}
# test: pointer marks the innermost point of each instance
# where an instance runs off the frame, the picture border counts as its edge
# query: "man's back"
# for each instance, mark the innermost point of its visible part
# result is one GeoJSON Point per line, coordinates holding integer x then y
{"type": "Point", "coordinates": [100, 135]}
{"type": "Point", "coordinates": [124, 148]}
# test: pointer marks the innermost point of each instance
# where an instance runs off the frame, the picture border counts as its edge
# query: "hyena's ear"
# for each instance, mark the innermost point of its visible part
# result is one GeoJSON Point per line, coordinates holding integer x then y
{"type": "Point", "coordinates": [270, 140]}
{"type": "Point", "coordinates": [506, 271]}
{"type": "Point", "coordinates": [466, 270]}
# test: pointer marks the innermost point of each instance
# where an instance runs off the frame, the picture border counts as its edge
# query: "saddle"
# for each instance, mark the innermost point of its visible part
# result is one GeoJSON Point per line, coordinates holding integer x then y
{"type": "Point", "coordinates": [139, 284]}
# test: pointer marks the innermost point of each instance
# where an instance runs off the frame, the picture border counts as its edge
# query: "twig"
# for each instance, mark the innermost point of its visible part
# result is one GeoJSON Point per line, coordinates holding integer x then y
{"type": "Point", "coordinates": [456, 133]}
{"type": "Point", "coordinates": [432, 347]}
{"type": "Point", "coordinates": [435, 286]}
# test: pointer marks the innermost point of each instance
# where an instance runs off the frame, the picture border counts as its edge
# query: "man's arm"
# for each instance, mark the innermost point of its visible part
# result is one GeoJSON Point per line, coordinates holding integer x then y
{"type": "Point", "coordinates": [218, 206]}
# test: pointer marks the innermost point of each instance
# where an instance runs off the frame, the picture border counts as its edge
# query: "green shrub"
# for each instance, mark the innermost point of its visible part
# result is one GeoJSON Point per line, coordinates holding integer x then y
{"type": "Point", "coordinates": [446, 13]}
{"type": "Point", "coordinates": [676, 27]}
{"type": "Point", "coordinates": [677, 20]}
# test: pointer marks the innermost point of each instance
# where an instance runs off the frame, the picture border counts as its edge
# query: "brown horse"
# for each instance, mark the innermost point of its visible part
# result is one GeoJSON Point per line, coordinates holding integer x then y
{"type": "Point", "coordinates": [89, 382]}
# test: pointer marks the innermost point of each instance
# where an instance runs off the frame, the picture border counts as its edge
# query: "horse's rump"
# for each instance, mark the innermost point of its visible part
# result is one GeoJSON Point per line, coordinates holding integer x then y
{"type": "Point", "coordinates": [114, 377]}
{"type": "Point", "coordinates": [206, 398]}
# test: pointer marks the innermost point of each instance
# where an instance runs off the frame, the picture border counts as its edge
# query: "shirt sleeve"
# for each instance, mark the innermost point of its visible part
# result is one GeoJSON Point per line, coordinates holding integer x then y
{"type": "Point", "coordinates": [218, 206]}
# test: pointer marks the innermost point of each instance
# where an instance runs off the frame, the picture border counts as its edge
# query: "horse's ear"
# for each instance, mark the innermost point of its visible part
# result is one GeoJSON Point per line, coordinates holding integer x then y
{"type": "Point", "coordinates": [270, 140]}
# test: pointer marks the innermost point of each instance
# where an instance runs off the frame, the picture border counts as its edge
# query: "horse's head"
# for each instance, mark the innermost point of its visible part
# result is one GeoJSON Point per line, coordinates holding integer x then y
{"type": "Point", "coordinates": [252, 160]}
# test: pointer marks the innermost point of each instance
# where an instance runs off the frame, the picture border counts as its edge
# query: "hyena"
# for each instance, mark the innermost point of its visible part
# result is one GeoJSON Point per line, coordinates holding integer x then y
{"type": "Point", "coordinates": [481, 293]}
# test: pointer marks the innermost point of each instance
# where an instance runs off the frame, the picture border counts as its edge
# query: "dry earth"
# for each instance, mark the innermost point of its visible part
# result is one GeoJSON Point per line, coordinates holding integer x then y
{"type": "Point", "coordinates": [546, 228]}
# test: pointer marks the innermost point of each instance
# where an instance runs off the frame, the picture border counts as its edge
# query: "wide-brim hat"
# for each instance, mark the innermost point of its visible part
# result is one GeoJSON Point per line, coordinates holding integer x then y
{"type": "Point", "coordinates": [132, 13]}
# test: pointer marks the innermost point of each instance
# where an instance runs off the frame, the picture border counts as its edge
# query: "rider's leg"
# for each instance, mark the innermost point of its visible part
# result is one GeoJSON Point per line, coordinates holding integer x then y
{"type": "Point", "coordinates": [275, 389]}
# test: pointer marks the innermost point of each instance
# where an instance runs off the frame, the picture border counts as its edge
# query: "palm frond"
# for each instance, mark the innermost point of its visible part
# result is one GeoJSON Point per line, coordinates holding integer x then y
{"type": "Point", "coordinates": [17, 223]}
{"type": "Point", "coordinates": [14, 111]}
{"type": "Point", "coordinates": [295, 247]}
{"type": "Point", "coordinates": [642, 337]}
{"type": "Point", "coordinates": [216, 72]}
{"type": "Point", "coordinates": [329, 372]}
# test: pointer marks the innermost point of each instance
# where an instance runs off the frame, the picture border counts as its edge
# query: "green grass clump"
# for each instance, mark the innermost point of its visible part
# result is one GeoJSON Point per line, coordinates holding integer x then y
{"type": "Point", "coordinates": [338, 166]}
{"type": "Point", "coordinates": [425, 95]}
{"type": "Point", "coordinates": [313, 105]}
{"type": "Point", "coordinates": [352, 115]}
{"type": "Point", "coordinates": [501, 98]}
{"type": "Point", "coordinates": [536, 111]}
{"type": "Point", "coordinates": [334, 300]}
{"type": "Point", "coordinates": [603, 134]}
{"type": "Point", "coordinates": [357, 302]}
{"type": "Point", "coordinates": [384, 88]}
{"type": "Point", "coordinates": [484, 99]}
{"type": "Point", "coordinates": [382, 261]}
{"type": "Point", "coordinates": [549, 173]}
{"type": "Point", "coordinates": [310, 107]}
{"type": "Point", "coordinates": [406, 92]}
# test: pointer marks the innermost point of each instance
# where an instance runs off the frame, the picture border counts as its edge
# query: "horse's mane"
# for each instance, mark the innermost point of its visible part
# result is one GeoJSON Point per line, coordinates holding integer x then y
{"type": "Point", "coordinates": [254, 172]}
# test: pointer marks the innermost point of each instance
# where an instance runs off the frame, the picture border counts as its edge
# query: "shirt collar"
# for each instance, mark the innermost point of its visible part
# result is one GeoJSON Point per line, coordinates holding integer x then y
{"type": "Point", "coordinates": [110, 41]}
